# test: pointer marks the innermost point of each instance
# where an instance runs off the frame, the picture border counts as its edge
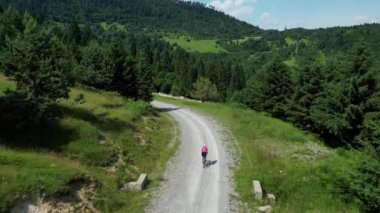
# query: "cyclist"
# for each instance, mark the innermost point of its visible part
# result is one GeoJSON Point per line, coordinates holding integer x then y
{"type": "Point", "coordinates": [204, 152]}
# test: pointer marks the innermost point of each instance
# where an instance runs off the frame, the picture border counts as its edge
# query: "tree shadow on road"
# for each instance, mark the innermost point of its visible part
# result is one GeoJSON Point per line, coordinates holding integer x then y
{"type": "Point", "coordinates": [167, 109]}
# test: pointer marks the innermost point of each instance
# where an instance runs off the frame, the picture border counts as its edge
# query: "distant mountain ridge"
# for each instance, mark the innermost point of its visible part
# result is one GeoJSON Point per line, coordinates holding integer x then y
{"type": "Point", "coordinates": [202, 22]}
{"type": "Point", "coordinates": [170, 15]}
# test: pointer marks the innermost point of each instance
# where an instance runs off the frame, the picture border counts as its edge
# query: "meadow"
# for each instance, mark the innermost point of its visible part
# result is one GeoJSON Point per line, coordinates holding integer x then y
{"type": "Point", "coordinates": [195, 45]}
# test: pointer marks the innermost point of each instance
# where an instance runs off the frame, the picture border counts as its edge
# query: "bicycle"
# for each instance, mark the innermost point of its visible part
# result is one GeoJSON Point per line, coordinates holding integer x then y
{"type": "Point", "coordinates": [204, 162]}
{"type": "Point", "coordinates": [204, 152]}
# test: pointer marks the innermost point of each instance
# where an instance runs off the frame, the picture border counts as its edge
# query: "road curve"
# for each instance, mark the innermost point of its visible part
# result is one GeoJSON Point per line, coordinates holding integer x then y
{"type": "Point", "coordinates": [189, 187]}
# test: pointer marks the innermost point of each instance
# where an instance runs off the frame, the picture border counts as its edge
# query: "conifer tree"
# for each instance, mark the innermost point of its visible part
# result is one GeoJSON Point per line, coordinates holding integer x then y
{"type": "Point", "coordinates": [308, 86]}
{"type": "Point", "coordinates": [11, 23]}
{"type": "Point", "coordinates": [362, 86]}
{"type": "Point", "coordinates": [237, 82]}
{"type": "Point", "coordinates": [86, 35]}
{"type": "Point", "coordinates": [95, 68]}
{"type": "Point", "coordinates": [38, 62]}
{"type": "Point", "coordinates": [145, 86]}
{"type": "Point", "coordinates": [126, 81]}
{"type": "Point", "coordinates": [271, 90]}
{"type": "Point", "coordinates": [204, 90]}
{"type": "Point", "coordinates": [133, 46]}
{"type": "Point", "coordinates": [74, 33]}
{"type": "Point", "coordinates": [124, 71]}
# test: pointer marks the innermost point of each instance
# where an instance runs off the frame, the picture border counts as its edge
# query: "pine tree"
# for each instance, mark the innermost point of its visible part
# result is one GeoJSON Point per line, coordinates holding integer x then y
{"type": "Point", "coordinates": [145, 86]}
{"type": "Point", "coordinates": [126, 81]}
{"type": "Point", "coordinates": [95, 68]}
{"type": "Point", "coordinates": [133, 46]}
{"type": "Point", "coordinates": [124, 71]}
{"type": "Point", "coordinates": [309, 85]}
{"type": "Point", "coordinates": [86, 35]}
{"type": "Point", "coordinates": [271, 90]}
{"type": "Point", "coordinates": [11, 24]}
{"type": "Point", "coordinates": [340, 111]}
{"type": "Point", "coordinates": [327, 110]}
{"type": "Point", "coordinates": [237, 82]}
{"type": "Point", "coordinates": [74, 33]}
{"type": "Point", "coordinates": [39, 63]}
{"type": "Point", "coordinates": [204, 90]}
{"type": "Point", "coordinates": [362, 86]}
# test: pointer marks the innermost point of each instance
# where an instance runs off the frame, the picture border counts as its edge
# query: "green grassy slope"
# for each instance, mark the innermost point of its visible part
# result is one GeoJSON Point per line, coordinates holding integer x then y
{"type": "Point", "coordinates": [101, 136]}
{"type": "Point", "coordinates": [4, 85]}
{"type": "Point", "coordinates": [293, 165]}
{"type": "Point", "coordinates": [196, 45]}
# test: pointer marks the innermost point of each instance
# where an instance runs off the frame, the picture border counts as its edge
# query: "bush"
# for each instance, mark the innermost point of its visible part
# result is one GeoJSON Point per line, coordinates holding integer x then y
{"type": "Point", "coordinates": [361, 181]}
{"type": "Point", "coordinates": [365, 183]}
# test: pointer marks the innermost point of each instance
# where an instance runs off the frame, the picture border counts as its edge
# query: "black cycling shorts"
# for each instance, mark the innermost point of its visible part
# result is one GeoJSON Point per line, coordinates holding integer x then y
{"type": "Point", "coordinates": [204, 154]}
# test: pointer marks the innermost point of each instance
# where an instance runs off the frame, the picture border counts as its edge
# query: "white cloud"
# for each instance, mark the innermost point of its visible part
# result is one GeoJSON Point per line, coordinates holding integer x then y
{"type": "Point", "coordinates": [268, 21]}
{"type": "Point", "coordinates": [236, 8]}
{"type": "Point", "coordinates": [364, 19]}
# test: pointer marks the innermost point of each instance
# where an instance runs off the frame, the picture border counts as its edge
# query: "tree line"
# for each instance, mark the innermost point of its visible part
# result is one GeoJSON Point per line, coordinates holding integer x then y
{"type": "Point", "coordinates": [340, 101]}
{"type": "Point", "coordinates": [169, 15]}
{"type": "Point", "coordinates": [46, 59]}
{"type": "Point", "coordinates": [45, 63]}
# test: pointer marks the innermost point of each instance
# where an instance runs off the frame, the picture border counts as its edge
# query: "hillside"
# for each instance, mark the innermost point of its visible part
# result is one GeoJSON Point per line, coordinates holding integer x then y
{"type": "Point", "coordinates": [303, 45]}
{"type": "Point", "coordinates": [192, 19]}
{"type": "Point", "coordinates": [101, 143]}
{"type": "Point", "coordinates": [167, 15]}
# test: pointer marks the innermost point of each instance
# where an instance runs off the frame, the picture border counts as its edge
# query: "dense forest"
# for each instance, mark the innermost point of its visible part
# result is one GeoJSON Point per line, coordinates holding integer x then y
{"type": "Point", "coordinates": [325, 81]}
{"type": "Point", "coordinates": [168, 15]}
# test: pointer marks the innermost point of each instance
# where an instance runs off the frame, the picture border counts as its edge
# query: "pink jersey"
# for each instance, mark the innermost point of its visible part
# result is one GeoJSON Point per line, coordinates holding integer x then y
{"type": "Point", "coordinates": [204, 149]}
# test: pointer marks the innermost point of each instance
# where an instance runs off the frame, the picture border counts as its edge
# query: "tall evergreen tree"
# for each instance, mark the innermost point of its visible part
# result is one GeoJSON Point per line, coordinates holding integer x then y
{"type": "Point", "coordinates": [95, 68]}
{"type": "Point", "coordinates": [223, 74]}
{"type": "Point", "coordinates": [362, 86]}
{"type": "Point", "coordinates": [86, 35]}
{"type": "Point", "coordinates": [271, 90]}
{"type": "Point", "coordinates": [238, 81]}
{"type": "Point", "coordinates": [133, 46]}
{"type": "Point", "coordinates": [124, 71]}
{"type": "Point", "coordinates": [204, 90]}
{"type": "Point", "coordinates": [308, 86]}
{"type": "Point", "coordinates": [74, 34]}
{"type": "Point", "coordinates": [11, 24]}
{"type": "Point", "coordinates": [327, 112]}
{"type": "Point", "coordinates": [38, 62]}
{"type": "Point", "coordinates": [339, 112]}
{"type": "Point", "coordinates": [126, 81]}
{"type": "Point", "coordinates": [145, 87]}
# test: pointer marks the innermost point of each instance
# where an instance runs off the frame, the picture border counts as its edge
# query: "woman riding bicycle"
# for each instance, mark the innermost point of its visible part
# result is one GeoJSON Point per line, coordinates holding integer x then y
{"type": "Point", "coordinates": [204, 152]}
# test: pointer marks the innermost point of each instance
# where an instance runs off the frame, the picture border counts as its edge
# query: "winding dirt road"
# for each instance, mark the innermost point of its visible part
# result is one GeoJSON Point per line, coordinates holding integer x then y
{"type": "Point", "coordinates": [189, 187]}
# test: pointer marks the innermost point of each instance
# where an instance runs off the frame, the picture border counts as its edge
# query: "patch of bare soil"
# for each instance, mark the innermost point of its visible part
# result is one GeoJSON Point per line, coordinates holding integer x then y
{"type": "Point", "coordinates": [77, 198]}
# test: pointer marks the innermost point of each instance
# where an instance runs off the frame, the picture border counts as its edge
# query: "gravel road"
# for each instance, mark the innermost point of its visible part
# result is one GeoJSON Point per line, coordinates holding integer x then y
{"type": "Point", "coordinates": [188, 187]}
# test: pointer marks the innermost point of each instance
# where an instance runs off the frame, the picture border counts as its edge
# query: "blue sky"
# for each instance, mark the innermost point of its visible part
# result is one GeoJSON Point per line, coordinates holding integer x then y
{"type": "Point", "coordinates": [278, 14]}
